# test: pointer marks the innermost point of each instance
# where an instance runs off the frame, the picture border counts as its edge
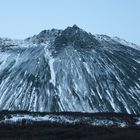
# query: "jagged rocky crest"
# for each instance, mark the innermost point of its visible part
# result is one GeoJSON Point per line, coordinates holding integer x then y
{"type": "Point", "coordinates": [69, 70]}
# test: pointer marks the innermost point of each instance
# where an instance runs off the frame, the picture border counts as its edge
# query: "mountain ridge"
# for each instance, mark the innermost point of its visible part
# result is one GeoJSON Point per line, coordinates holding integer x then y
{"type": "Point", "coordinates": [54, 33]}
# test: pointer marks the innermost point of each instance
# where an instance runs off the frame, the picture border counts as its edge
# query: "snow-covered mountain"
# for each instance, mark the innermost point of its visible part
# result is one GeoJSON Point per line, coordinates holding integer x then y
{"type": "Point", "coordinates": [69, 70]}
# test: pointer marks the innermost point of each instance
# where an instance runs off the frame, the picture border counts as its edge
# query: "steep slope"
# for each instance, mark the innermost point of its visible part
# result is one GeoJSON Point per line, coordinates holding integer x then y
{"type": "Point", "coordinates": [69, 70]}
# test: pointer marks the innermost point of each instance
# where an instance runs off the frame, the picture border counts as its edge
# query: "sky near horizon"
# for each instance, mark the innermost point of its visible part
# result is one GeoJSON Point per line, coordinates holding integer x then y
{"type": "Point", "coordinates": [23, 18]}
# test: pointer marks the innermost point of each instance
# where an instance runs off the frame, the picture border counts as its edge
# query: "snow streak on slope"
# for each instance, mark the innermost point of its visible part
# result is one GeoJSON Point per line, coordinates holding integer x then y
{"type": "Point", "coordinates": [124, 42]}
{"type": "Point", "coordinates": [72, 71]}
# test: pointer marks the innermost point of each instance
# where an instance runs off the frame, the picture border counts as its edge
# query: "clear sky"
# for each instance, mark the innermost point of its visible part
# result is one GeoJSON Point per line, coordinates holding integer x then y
{"type": "Point", "coordinates": [22, 18]}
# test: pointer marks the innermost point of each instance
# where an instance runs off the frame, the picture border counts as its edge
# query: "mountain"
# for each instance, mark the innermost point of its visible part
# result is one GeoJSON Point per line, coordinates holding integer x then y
{"type": "Point", "coordinates": [69, 70]}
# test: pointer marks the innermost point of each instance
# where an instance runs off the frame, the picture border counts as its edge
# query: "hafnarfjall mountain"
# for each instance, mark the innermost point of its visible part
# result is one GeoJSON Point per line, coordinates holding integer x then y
{"type": "Point", "coordinates": [69, 70]}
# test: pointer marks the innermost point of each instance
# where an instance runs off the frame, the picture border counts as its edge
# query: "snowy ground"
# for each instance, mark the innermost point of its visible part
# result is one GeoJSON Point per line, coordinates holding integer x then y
{"type": "Point", "coordinates": [97, 119]}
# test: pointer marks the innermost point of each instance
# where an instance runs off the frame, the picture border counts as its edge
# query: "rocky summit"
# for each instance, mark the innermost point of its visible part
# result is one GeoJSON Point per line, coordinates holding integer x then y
{"type": "Point", "coordinates": [70, 70]}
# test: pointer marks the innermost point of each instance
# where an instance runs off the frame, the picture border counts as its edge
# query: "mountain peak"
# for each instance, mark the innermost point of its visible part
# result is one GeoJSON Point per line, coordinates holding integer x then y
{"type": "Point", "coordinates": [75, 26]}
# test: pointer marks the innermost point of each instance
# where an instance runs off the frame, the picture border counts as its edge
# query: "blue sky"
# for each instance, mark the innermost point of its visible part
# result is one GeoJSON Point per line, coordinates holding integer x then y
{"type": "Point", "coordinates": [22, 18]}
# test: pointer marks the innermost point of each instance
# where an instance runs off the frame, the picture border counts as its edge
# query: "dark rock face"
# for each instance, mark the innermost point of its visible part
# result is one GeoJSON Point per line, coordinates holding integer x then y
{"type": "Point", "coordinates": [70, 70]}
{"type": "Point", "coordinates": [76, 37]}
{"type": "Point", "coordinates": [45, 35]}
